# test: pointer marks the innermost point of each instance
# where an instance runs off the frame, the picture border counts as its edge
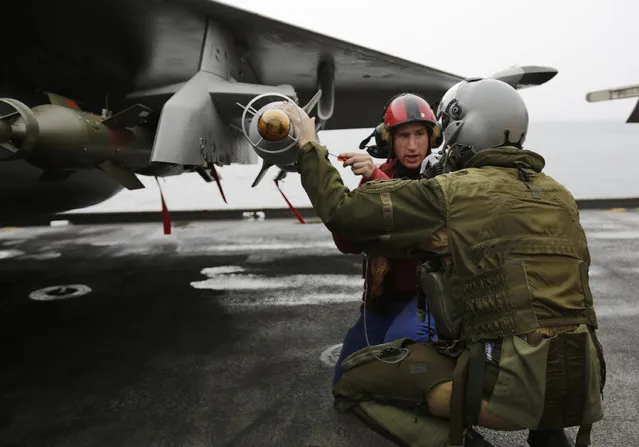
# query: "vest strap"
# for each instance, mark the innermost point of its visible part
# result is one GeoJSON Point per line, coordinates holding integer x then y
{"type": "Point", "coordinates": [456, 428]}
{"type": "Point", "coordinates": [583, 436]}
{"type": "Point", "coordinates": [475, 382]}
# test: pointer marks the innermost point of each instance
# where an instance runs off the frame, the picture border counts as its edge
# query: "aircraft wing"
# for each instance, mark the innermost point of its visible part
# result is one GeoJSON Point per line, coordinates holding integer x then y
{"type": "Point", "coordinates": [244, 55]}
{"type": "Point", "coordinates": [630, 91]}
{"type": "Point", "coordinates": [273, 53]}
{"type": "Point", "coordinates": [160, 96]}
{"type": "Point", "coordinates": [364, 79]}
{"type": "Point", "coordinates": [276, 53]}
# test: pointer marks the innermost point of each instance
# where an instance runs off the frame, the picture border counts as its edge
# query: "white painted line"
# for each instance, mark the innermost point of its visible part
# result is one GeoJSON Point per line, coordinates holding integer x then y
{"type": "Point", "coordinates": [284, 290]}
{"type": "Point", "coordinates": [6, 254]}
{"type": "Point", "coordinates": [295, 299]}
{"type": "Point", "coordinates": [330, 355]}
{"type": "Point", "coordinates": [617, 310]}
{"type": "Point", "coordinates": [609, 235]}
{"type": "Point", "coordinates": [257, 282]}
{"type": "Point", "coordinates": [260, 247]}
{"type": "Point", "coordinates": [223, 269]}
{"type": "Point", "coordinates": [59, 223]}
{"type": "Point", "coordinates": [232, 278]}
{"type": "Point", "coordinates": [43, 256]}
{"type": "Point", "coordinates": [596, 270]}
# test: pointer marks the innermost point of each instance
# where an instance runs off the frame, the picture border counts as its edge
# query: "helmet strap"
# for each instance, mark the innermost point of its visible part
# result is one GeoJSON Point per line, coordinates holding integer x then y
{"type": "Point", "coordinates": [518, 143]}
{"type": "Point", "coordinates": [458, 157]}
{"type": "Point", "coordinates": [365, 141]}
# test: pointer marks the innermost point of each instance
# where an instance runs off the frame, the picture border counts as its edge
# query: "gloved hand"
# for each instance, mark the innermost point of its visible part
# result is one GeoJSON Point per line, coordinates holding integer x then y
{"type": "Point", "coordinates": [432, 165]}
{"type": "Point", "coordinates": [304, 125]}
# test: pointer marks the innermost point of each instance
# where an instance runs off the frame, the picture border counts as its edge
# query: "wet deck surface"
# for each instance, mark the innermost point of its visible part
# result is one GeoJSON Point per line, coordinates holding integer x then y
{"type": "Point", "coordinates": [214, 336]}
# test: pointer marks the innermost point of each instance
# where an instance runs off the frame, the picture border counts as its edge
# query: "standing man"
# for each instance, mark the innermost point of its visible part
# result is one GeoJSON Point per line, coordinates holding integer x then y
{"type": "Point", "coordinates": [409, 131]}
{"type": "Point", "coordinates": [523, 351]}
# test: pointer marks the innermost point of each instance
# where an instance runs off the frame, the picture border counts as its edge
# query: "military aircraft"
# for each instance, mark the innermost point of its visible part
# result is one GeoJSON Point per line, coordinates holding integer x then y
{"type": "Point", "coordinates": [97, 92]}
{"type": "Point", "coordinates": [630, 91]}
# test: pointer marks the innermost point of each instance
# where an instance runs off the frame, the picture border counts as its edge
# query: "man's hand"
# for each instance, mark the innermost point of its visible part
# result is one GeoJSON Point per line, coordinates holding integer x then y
{"type": "Point", "coordinates": [304, 125]}
{"type": "Point", "coordinates": [431, 166]}
{"type": "Point", "coordinates": [431, 160]}
{"type": "Point", "coordinates": [360, 162]}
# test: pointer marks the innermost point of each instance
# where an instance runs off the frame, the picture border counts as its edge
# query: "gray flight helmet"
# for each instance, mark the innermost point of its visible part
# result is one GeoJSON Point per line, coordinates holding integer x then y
{"type": "Point", "coordinates": [442, 114]}
{"type": "Point", "coordinates": [478, 114]}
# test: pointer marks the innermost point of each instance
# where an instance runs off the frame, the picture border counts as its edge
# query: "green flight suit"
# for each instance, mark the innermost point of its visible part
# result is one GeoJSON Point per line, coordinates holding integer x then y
{"type": "Point", "coordinates": [519, 263]}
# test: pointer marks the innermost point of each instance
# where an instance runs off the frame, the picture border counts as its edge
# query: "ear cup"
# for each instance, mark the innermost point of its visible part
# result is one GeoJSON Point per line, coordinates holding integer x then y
{"type": "Point", "coordinates": [376, 152]}
{"type": "Point", "coordinates": [382, 137]}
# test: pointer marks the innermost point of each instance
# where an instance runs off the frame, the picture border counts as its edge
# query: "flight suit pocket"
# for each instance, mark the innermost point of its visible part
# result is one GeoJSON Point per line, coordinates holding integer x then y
{"type": "Point", "coordinates": [518, 394]}
{"type": "Point", "coordinates": [551, 385]}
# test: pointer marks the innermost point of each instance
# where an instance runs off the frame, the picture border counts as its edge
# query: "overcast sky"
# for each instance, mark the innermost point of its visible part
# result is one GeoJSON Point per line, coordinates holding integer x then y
{"type": "Point", "coordinates": [590, 43]}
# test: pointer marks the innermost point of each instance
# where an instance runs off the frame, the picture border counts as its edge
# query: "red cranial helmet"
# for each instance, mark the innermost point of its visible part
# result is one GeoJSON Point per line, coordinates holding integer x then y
{"type": "Point", "coordinates": [410, 108]}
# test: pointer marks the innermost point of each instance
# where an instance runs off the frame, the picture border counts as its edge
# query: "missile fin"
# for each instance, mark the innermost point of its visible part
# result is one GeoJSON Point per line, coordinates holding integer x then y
{"type": "Point", "coordinates": [122, 175]}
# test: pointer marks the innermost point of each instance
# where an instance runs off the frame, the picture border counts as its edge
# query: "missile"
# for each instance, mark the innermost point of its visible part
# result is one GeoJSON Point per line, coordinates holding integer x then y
{"type": "Point", "coordinates": [270, 131]}
{"type": "Point", "coordinates": [60, 138]}
{"type": "Point", "coordinates": [274, 125]}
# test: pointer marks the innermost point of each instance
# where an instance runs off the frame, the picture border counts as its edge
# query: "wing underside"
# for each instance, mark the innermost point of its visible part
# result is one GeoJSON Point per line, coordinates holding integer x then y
{"type": "Point", "coordinates": [245, 54]}
{"type": "Point", "coordinates": [275, 53]}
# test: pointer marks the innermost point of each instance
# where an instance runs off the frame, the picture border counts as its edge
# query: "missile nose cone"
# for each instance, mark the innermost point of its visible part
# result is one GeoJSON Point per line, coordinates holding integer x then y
{"type": "Point", "coordinates": [274, 125]}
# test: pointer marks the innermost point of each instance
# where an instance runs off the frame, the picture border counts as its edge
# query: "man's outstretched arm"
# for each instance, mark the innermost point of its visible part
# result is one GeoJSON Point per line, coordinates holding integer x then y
{"type": "Point", "coordinates": [391, 217]}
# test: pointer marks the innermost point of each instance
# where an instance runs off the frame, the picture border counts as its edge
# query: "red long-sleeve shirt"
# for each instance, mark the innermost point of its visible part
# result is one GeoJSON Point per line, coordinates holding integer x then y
{"type": "Point", "coordinates": [400, 282]}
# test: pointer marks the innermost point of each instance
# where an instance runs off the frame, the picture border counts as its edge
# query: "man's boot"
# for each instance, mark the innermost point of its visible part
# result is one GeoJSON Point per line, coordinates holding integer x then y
{"type": "Point", "coordinates": [548, 438]}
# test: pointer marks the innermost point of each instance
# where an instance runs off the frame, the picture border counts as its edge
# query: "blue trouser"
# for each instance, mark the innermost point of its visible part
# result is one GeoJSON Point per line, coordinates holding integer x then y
{"type": "Point", "coordinates": [399, 322]}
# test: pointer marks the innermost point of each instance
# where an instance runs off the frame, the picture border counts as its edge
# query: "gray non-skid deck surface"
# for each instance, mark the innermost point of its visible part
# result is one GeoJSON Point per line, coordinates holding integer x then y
{"type": "Point", "coordinates": [214, 336]}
